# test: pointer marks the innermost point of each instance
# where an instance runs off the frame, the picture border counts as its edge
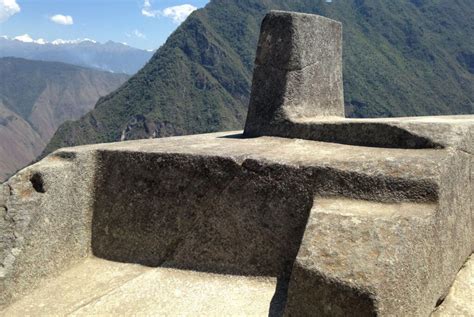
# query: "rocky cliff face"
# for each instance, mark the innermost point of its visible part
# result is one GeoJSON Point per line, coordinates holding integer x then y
{"type": "Point", "coordinates": [400, 58]}
{"type": "Point", "coordinates": [36, 97]}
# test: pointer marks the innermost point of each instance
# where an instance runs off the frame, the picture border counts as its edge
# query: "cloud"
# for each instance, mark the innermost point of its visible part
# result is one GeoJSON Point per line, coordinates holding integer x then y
{"type": "Point", "coordinates": [28, 39]}
{"type": "Point", "coordinates": [148, 11]}
{"type": "Point", "coordinates": [136, 33]}
{"type": "Point", "coordinates": [7, 9]}
{"type": "Point", "coordinates": [177, 13]}
{"type": "Point", "coordinates": [62, 19]}
{"type": "Point", "coordinates": [139, 34]}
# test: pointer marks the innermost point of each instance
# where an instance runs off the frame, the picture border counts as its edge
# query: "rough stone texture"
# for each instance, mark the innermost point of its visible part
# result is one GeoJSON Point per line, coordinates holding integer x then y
{"type": "Point", "coordinates": [224, 204]}
{"type": "Point", "coordinates": [211, 214]}
{"type": "Point", "coordinates": [460, 300]}
{"type": "Point", "coordinates": [298, 70]}
{"type": "Point", "coordinates": [45, 222]}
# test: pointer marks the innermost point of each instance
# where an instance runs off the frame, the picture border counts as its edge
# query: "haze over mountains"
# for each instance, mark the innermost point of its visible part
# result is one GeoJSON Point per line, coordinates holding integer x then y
{"type": "Point", "coordinates": [36, 97]}
{"type": "Point", "coordinates": [109, 56]}
{"type": "Point", "coordinates": [400, 58]}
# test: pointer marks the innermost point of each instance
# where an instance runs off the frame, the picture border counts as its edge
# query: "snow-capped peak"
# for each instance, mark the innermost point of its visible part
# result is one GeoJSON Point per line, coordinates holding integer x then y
{"type": "Point", "coordinates": [62, 42]}
{"type": "Point", "coordinates": [26, 38]}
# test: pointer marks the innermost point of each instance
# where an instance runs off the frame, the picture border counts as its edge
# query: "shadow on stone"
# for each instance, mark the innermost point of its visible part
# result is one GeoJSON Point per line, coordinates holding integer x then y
{"type": "Point", "coordinates": [319, 295]}
{"type": "Point", "coordinates": [234, 136]}
{"type": "Point", "coordinates": [204, 214]}
{"type": "Point", "coordinates": [38, 183]}
{"type": "Point", "coordinates": [278, 303]}
{"type": "Point", "coordinates": [362, 133]}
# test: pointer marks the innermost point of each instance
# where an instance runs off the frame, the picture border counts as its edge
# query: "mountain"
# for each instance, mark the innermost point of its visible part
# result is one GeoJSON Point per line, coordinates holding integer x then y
{"type": "Point", "coordinates": [402, 57]}
{"type": "Point", "coordinates": [110, 56]}
{"type": "Point", "coordinates": [19, 142]}
{"type": "Point", "coordinates": [36, 97]}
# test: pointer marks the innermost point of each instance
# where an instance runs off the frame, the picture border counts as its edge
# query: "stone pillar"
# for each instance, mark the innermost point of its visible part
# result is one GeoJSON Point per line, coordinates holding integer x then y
{"type": "Point", "coordinates": [298, 71]}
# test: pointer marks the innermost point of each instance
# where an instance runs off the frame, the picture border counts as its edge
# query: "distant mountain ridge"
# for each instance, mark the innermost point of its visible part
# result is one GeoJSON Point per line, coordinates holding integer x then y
{"type": "Point", "coordinates": [110, 56]}
{"type": "Point", "coordinates": [36, 97]}
{"type": "Point", "coordinates": [401, 58]}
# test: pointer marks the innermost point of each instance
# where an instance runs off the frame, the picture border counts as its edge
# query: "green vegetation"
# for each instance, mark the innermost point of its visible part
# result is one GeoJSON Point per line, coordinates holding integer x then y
{"type": "Point", "coordinates": [401, 58]}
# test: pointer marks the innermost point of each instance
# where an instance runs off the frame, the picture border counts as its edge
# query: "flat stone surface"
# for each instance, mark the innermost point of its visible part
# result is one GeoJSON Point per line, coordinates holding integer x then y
{"type": "Point", "coordinates": [407, 132]}
{"type": "Point", "coordinates": [99, 287]}
{"type": "Point", "coordinates": [75, 288]}
{"type": "Point", "coordinates": [363, 208]}
{"type": "Point", "coordinates": [401, 133]}
{"type": "Point", "coordinates": [407, 163]}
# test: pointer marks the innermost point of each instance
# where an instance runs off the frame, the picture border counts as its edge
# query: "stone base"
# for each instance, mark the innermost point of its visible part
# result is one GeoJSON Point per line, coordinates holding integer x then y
{"type": "Point", "coordinates": [351, 229]}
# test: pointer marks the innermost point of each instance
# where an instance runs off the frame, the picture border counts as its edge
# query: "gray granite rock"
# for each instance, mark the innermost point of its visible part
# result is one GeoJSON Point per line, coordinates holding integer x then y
{"type": "Point", "coordinates": [460, 300]}
{"type": "Point", "coordinates": [298, 70]}
{"type": "Point", "coordinates": [45, 223]}
{"type": "Point", "coordinates": [354, 229]}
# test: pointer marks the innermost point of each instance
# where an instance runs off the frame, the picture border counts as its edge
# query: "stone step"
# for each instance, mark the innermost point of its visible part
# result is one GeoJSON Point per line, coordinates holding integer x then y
{"type": "Point", "coordinates": [100, 287]}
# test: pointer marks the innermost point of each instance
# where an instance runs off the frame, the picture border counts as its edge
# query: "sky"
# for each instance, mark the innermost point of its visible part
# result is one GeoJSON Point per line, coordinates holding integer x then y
{"type": "Point", "coordinates": [145, 24]}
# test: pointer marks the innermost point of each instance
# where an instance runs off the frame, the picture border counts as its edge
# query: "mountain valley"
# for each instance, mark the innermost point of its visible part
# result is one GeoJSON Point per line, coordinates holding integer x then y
{"type": "Point", "coordinates": [36, 97]}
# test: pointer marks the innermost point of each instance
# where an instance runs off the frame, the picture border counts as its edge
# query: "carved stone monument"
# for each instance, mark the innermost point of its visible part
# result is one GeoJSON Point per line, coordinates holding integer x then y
{"type": "Point", "coordinates": [312, 215]}
{"type": "Point", "coordinates": [298, 71]}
